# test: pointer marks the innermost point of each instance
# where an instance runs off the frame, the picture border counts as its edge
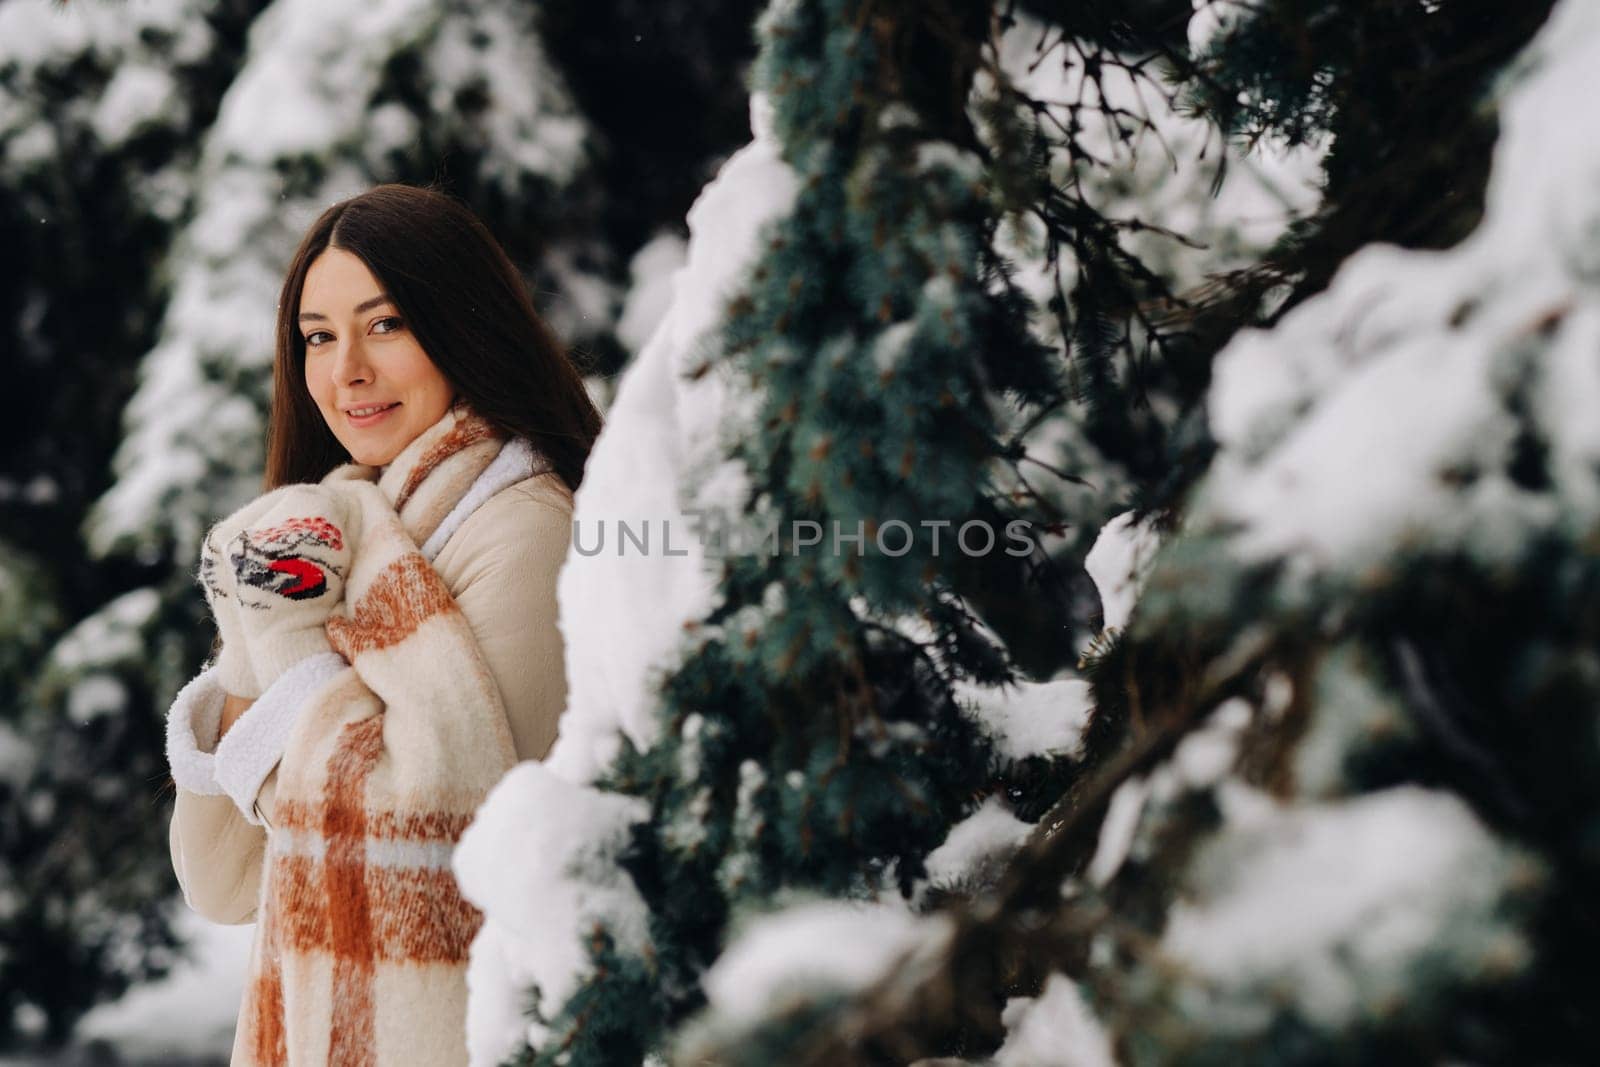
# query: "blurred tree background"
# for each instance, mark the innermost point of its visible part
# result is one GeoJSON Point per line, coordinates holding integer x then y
{"type": "Point", "coordinates": [158, 159]}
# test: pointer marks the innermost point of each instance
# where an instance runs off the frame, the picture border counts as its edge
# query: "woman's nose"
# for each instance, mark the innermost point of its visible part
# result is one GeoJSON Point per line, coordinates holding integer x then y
{"type": "Point", "coordinates": [351, 365]}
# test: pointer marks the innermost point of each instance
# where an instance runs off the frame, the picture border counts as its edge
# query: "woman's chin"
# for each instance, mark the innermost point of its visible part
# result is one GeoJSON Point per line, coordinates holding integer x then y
{"type": "Point", "coordinates": [369, 455]}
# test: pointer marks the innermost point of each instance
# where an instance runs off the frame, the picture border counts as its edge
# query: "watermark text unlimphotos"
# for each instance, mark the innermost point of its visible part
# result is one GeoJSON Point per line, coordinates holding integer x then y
{"type": "Point", "coordinates": [719, 537]}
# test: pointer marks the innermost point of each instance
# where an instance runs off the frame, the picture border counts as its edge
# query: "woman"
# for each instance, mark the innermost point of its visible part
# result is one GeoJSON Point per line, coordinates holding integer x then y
{"type": "Point", "coordinates": [388, 635]}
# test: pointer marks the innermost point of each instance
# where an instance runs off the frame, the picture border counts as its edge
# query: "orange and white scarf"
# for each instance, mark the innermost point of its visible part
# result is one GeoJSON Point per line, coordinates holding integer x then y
{"type": "Point", "coordinates": [388, 746]}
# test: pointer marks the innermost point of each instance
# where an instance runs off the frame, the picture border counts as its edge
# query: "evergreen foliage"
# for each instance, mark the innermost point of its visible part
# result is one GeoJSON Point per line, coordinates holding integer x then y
{"type": "Point", "coordinates": [1336, 803]}
{"type": "Point", "coordinates": [1278, 722]}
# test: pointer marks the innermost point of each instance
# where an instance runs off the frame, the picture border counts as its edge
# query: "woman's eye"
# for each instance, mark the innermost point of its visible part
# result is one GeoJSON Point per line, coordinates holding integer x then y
{"type": "Point", "coordinates": [311, 338]}
{"type": "Point", "coordinates": [389, 318]}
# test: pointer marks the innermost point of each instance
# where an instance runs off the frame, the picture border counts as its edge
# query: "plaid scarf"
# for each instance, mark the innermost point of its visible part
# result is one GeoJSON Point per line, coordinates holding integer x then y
{"type": "Point", "coordinates": [362, 936]}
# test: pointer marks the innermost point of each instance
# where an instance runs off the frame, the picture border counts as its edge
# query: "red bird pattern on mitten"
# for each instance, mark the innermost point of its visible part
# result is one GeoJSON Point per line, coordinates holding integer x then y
{"type": "Point", "coordinates": [292, 559]}
{"type": "Point", "coordinates": [290, 568]}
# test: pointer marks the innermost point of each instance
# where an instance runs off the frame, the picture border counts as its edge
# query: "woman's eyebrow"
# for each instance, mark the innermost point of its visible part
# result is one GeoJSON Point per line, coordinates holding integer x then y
{"type": "Point", "coordinates": [365, 305]}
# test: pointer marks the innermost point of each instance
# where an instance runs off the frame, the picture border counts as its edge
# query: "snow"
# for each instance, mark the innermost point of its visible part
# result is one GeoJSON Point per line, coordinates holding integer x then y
{"type": "Point", "coordinates": [1380, 417]}
{"type": "Point", "coordinates": [976, 845]}
{"type": "Point", "coordinates": [1206, 755]}
{"type": "Point", "coordinates": [931, 155]}
{"type": "Point", "coordinates": [1117, 830]}
{"type": "Point", "coordinates": [532, 127]}
{"type": "Point", "coordinates": [1212, 19]}
{"type": "Point", "coordinates": [1335, 906]}
{"type": "Point", "coordinates": [586, 299]}
{"type": "Point", "coordinates": [95, 695]}
{"type": "Point", "coordinates": [1032, 719]}
{"type": "Point", "coordinates": [30, 147]}
{"type": "Point", "coordinates": [111, 635]}
{"type": "Point", "coordinates": [1202, 760]}
{"type": "Point", "coordinates": [300, 57]}
{"type": "Point", "coordinates": [190, 1012]}
{"type": "Point", "coordinates": [39, 32]}
{"type": "Point", "coordinates": [136, 47]}
{"type": "Point", "coordinates": [891, 345]}
{"type": "Point", "coordinates": [1568, 397]}
{"type": "Point", "coordinates": [137, 95]}
{"type": "Point", "coordinates": [540, 860]}
{"type": "Point", "coordinates": [654, 280]}
{"type": "Point", "coordinates": [691, 750]}
{"type": "Point", "coordinates": [815, 949]}
{"type": "Point", "coordinates": [690, 826]}
{"type": "Point", "coordinates": [660, 430]}
{"type": "Point", "coordinates": [1054, 1029]}
{"type": "Point", "coordinates": [1119, 563]}
{"type": "Point", "coordinates": [1352, 482]}
{"type": "Point", "coordinates": [749, 824]}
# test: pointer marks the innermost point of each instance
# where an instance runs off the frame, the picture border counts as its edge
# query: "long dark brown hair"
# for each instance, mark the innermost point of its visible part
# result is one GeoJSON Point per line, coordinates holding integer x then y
{"type": "Point", "coordinates": [462, 298]}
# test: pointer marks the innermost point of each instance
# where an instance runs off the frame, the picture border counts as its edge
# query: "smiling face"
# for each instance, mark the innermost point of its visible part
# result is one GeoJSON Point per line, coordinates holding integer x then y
{"type": "Point", "coordinates": [375, 386]}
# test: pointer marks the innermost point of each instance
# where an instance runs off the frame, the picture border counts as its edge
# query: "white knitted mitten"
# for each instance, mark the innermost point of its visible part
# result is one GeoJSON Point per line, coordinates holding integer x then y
{"type": "Point", "coordinates": [235, 669]}
{"type": "Point", "coordinates": [289, 568]}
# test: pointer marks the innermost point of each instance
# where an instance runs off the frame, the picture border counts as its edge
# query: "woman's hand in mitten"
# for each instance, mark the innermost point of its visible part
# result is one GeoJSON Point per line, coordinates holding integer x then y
{"type": "Point", "coordinates": [289, 568]}
{"type": "Point", "coordinates": [235, 670]}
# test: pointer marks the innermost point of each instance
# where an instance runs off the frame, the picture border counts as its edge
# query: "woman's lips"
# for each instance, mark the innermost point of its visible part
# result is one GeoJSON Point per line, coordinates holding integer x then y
{"type": "Point", "coordinates": [368, 420]}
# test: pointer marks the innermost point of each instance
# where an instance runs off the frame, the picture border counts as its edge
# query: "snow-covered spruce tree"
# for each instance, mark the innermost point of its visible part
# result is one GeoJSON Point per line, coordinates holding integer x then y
{"type": "Point", "coordinates": [871, 361]}
{"type": "Point", "coordinates": [1345, 804]}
